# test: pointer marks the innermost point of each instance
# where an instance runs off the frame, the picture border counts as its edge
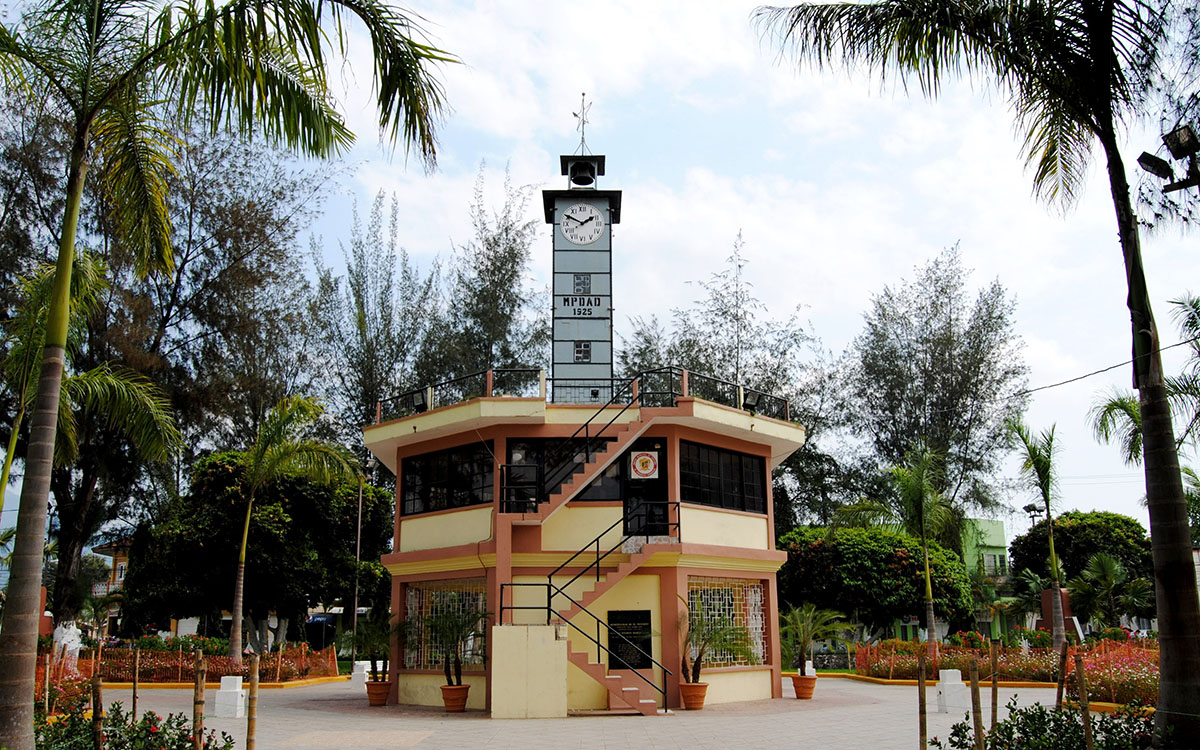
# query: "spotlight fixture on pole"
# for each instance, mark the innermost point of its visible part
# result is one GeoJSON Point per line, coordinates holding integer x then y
{"type": "Point", "coordinates": [1033, 510]}
{"type": "Point", "coordinates": [1183, 144]}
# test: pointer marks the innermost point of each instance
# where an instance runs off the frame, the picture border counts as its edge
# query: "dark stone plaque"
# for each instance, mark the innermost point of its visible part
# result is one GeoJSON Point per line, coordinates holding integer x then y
{"type": "Point", "coordinates": [634, 624]}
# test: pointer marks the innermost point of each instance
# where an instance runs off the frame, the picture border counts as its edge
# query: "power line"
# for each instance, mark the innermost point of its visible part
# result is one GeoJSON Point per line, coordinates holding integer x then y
{"type": "Point", "coordinates": [1095, 372]}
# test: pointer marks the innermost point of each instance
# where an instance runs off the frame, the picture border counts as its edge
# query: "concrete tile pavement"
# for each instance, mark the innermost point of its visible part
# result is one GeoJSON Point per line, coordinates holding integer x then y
{"type": "Point", "coordinates": [843, 714]}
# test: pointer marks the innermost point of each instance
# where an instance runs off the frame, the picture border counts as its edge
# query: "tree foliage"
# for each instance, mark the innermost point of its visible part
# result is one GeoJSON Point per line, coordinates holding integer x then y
{"type": "Point", "coordinates": [933, 366]}
{"type": "Point", "coordinates": [487, 315]}
{"type": "Point", "coordinates": [1105, 592]}
{"type": "Point", "coordinates": [1077, 536]}
{"type": "Point", "coordinates": [874, 575]}
{"type": "Point", "coordinates": [301, 550]}
{"type": "Point", "coordinates": [370, 323]}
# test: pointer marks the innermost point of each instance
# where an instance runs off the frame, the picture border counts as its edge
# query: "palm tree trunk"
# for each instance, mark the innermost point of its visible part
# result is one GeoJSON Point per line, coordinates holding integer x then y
{"type": "Point", "coordinates": [1170, 543]}
{"type": "Point", "coordinates": [235, 624]}
{"type": "Point", "coordinates": [1057, 629]}
{"type": "Point", "coordinates": [930, 630]}
{"type": "Point", "coordinates": [18, 639]}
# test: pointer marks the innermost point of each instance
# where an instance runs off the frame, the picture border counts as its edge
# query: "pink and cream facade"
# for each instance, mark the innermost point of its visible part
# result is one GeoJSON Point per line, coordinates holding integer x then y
{"type": "Point", "coordinates": [584, 513]}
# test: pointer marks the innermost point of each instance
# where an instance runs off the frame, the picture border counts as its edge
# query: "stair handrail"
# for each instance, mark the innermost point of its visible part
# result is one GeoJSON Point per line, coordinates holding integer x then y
{"type": "Point", "coordinates": [641, 508]}
{"type": "Point", "coordinates": [551, 612]}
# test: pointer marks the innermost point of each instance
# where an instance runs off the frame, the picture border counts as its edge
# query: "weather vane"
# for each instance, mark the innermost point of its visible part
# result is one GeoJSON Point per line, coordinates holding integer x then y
{"type": "Point", "coordinates": [582, 116]}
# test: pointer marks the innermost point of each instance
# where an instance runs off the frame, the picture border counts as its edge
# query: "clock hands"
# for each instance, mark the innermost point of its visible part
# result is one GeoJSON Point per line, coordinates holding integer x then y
{"type": "Point", "coordinates": [577, 221]}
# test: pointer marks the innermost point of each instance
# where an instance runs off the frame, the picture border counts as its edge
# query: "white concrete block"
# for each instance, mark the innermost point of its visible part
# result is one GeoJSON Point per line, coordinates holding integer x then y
{"type": "Point", "coordinates": [358, 677]}
{"type": "Point", "coordinates": [231, 699]}
{"type": "Point", "coordinates": [953, 696]}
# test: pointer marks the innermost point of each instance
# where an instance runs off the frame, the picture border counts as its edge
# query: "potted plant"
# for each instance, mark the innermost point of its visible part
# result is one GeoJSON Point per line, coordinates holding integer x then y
{"type": "Point", "coordinates": [375, 643]}
{"type": "Point", "coordinates": [708, 632]}
{"type": "Point", "coordinates": [455, 634]}
{"type": "Point", "coordinates": [800, 628]}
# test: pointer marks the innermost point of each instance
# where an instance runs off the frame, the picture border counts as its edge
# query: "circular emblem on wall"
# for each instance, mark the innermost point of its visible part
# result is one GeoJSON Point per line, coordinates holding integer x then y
{"type": "Point", "coordinates": [645, 465]}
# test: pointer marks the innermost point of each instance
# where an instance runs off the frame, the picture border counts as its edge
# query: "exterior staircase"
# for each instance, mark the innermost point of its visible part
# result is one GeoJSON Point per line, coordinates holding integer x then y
{"type": "Point", "coordinates": [622, 690]}
{"type": "Point", "coordinates": [610, 579]}
{"type": "Point", "coordinates": [624, 435]}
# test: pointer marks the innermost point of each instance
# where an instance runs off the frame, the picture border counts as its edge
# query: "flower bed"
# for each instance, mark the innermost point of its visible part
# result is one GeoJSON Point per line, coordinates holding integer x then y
{"type": "Point", "coordinates": [1116, 672]}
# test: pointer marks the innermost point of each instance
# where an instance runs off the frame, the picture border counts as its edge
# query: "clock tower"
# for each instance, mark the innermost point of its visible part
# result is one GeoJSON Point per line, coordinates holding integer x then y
{"type": "Point", "coordinates": [581, 218]}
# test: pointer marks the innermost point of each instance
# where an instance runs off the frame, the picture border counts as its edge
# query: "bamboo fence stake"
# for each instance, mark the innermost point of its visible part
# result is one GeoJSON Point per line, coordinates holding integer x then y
{"type": "Point", "coordinates": [976, 711]}
{"type": "Point", "coordinates": [46, 684]}
{"type": "Point", "coordinates": [995, 681]}
{"type": "Point", "coordinates": [179, 664]}
{"type": "Point", "coordinates": [921, 697]}
{"type": "Point", "coordinates": [198, 703]}
{"type": "Point", "coordinates": [97, 713]}
{"type": "Point", "coordinates": [1062, 676]}
{"type": "Point", "coordinates": [1085, 713]}
{"type": "Point", "coordinates": [137, 663]}
{"type": "Point", "coordinates": [278, 662]}
{"type": "Point", "coordinates": [252, 708]}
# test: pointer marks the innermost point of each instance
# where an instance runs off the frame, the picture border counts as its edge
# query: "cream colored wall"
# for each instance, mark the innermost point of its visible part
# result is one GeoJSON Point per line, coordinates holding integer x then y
{"type": "Point", "coordinates": [574, 526]}
{"type": "Point", "coordinates": [703, 526]}
{"type": "Point", "coordinates": [426, 689]}
{"type": "Point", "coordinates": [742, 685]}
{"type": "Point", "coordinates": [529, 672]}
{"type": "Point", "coordinates": [634, 592]}
{"type": "Point", "coordinates": [466, 526]}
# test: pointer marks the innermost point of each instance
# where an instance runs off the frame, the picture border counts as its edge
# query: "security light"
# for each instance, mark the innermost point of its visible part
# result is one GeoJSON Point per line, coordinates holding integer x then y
{"type": "Point", "coordinates": [750, 401]}
{"type": "Point", "coordinates": [1182, 142]}
{"type": "Point", "coordinates": [1156, 166]}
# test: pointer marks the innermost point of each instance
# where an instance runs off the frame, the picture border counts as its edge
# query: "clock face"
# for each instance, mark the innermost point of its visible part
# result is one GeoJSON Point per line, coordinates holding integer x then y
{"type": "Point", "coordinates": [582, 224]}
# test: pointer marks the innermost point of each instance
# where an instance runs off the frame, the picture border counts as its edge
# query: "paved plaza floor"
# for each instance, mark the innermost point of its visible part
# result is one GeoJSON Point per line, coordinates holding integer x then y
{"type": "Point", "coordinates": [843, 714]}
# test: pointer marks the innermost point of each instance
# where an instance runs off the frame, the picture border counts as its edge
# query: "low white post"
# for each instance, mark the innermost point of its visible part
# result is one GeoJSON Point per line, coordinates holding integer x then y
{"type": "Point", "coordinates": [231, 699]}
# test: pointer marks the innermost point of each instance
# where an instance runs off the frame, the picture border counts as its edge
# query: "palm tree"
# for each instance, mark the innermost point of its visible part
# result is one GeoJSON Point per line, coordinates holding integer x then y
{"type": "Point", "coordinates": [801, 627]}
{"type": "Point", "coordinates": [111, 67]}
{"type": "Point", "coordinates": [1104, 591]}
{"type": "Point", "coordinates": [1074, 72]}
{"type": "Point", "coordinates": [127, 402]}
{"type": "Point", "coordinates": [1037, 468]}
{"type": "Point", "coordinates": [1028, 590]}
{"type": "Point", "coordinates": [916, 508]}
{"type": "Point", "coordinates": [282, 446]}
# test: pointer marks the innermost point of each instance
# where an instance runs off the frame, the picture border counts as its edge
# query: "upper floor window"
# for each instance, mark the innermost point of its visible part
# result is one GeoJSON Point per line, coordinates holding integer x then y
{"type": "Point", "coordinates": [722, 478]}
{"type": "Point", "coordinates": [452, 478]}
{"type": "Point", "coordinates": [583, 283]}
{"type": "Point", "coordinates": [583, 351]}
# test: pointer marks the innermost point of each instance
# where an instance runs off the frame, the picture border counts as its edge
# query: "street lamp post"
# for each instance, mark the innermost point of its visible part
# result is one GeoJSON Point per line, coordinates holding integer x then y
{"type": "Point", "coordinates": [357, 560]}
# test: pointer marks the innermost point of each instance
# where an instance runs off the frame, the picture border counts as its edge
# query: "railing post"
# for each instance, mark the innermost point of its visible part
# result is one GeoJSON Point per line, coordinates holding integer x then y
{"type": "Point", "coordinates": [429, 398]}
{"type": "Point", "coordinates": [378, 412]}
{"type": "Point", "coordinates": [542, 384]}
{"type": "Point", "coordinates": [741, 397]}
{"type": "Point", "coordinates": [636, 388]}
{"type": "Point", "coordinates": [683, 383]}
{"type": "Point", "coordinates": [787, 410]}
{"type": "Point", "coordinates": [489, 380]}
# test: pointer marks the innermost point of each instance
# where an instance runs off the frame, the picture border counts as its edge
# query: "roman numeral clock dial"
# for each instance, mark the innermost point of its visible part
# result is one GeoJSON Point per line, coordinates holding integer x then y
{"type": "Point", "coordinates": [582, 224]}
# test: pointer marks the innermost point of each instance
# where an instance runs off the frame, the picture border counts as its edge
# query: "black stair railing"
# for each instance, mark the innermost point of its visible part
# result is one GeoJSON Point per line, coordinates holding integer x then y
{"type": "Point", "coordinates": [640, 512]}
{"type": "Point", "coordinates": [600, 624]}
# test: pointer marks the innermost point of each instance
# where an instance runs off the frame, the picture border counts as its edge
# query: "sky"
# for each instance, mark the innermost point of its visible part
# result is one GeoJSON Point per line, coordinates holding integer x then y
{"type": "Point", "coordinates": [838, 185]}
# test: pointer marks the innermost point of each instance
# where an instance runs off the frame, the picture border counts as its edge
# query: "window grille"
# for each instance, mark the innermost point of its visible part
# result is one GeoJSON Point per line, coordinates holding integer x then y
{"type": "Point", "coordinates": [737, 600]}
{"type": "Point", "coordinates": [435, 597]}
{"type": "Point", "coordinates": [583, 351]}
{"type": "Point", "coordinates": [583, 283]}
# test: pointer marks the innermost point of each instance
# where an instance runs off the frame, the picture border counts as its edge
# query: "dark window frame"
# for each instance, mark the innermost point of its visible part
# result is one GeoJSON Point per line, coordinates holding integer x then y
{"type": "Point", "coordinates": [458, 477]}
{"type": "Point", "coordinates": [722, 478]}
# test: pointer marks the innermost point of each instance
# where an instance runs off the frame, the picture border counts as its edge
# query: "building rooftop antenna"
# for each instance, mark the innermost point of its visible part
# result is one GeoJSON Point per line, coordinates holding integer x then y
{"type": "Point", "coordinates": [582, 117]}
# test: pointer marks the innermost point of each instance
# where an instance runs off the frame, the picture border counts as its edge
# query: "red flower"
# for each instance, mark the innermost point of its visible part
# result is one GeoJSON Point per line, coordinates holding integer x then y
{"type": "Point", "coordinates": [153, 729]}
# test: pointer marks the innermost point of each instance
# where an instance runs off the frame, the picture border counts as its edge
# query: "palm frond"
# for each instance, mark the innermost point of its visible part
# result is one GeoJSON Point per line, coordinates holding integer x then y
{"type": "Point", "coordinates": [129, 403]}
{"type": "Point", "coordinates": [1037, 460]}
{"type": "Point", "coordinates": [137, 159]}
{"type": "Point", "coordinates": [1056, 144]}
{"type": "Point", "coordinates": [929, 40]}
{"type": "Point", "coordinates": [1119, 417]}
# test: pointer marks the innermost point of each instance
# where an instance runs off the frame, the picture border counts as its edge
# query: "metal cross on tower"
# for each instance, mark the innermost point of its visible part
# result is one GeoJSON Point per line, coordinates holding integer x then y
{"type": "Point", "coordinates": [581, 115]}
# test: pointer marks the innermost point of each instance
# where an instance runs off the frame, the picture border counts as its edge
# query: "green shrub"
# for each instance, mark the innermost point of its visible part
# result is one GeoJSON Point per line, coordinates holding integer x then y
{"type": "Point", "coordinates": [1039, 728]}
{"type": "Point", "coordinates": [1114, 634]}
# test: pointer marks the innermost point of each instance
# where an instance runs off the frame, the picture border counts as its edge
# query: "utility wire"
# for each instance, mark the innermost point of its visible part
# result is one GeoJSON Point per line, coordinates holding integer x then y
{"type": "Point", "coordinates": [1095, 372]}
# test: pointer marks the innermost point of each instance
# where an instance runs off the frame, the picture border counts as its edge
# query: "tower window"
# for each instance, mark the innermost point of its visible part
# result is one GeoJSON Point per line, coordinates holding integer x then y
{"type": "Point", "coordinates": [583, 351]}
{"type": "Point", "coordinates": [583, 283]}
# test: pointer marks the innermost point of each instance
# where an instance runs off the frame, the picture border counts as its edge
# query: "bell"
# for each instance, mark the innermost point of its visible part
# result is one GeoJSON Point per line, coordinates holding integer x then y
{"type": "Point", "coordinates": [583, 173]}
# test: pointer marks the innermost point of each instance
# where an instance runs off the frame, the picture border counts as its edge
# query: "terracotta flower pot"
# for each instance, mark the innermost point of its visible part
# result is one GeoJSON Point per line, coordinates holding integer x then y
{"type": "Point", "coordinates": [692, 694]}
{"type": "Point", "coordinates": [804, 685]}
{"type": "Point", "coordinates": [454, 698]}
{"type": "Point", "coordinates": [377, 692]}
